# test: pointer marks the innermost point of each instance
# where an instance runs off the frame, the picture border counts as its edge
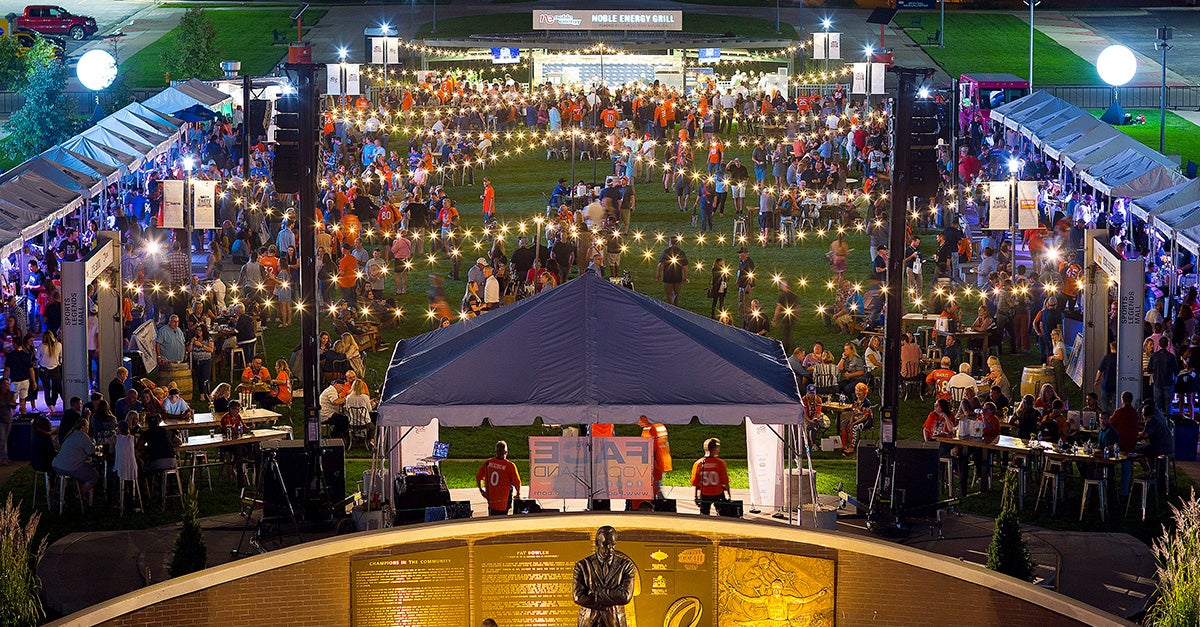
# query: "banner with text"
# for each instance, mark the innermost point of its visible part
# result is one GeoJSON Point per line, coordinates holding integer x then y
{"type": "Point", "coordinates": [607, 20]}
{"type": "Point", "coordinates": [1027, 204]}
{"type": "Point", "coordinates": [999, 209]}
{"type": "Point", "coordinates": [333, 79]}
{"type": "Point", "coordinates": [764, 456]}
{"type": "Point", "coordinates": [613, 468]}
{"type": "Point", "coordinates": [818, 49]}
{"type": "Point", "coordinates": [204, 204]}
{"type": "Point", "coordinates": [835, 46]}
{"type": "Point", "coordinates": [172, 205]}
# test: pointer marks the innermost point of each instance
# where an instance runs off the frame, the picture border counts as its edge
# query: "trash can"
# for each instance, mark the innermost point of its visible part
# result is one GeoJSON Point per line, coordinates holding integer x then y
{"type": "Point", "coordinates": [20, 439]}
{"type": "Point", "coordinates": [1187, 432]}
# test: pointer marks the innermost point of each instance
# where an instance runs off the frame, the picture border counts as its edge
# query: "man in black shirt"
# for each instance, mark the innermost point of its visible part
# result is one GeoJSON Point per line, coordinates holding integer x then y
{"type": "Point", "coordinates": [879, 272]}
{"type": "Point", "coordinates": [18, 368]}
{"type": "Point", "coordinates": [563, 252]}
{"type": "Point", "coordinates": [672, 271]}
{"type": "Point", "coordinates": [786, 311]}
{"type": "Point", "coordinates": [745, 281]}
{"type": "Point", "coordinates": [522, 259]}
{"type": "Point", "coordinates": [157, 445]}
{"type": "Point", "coordinates": [756, 321]}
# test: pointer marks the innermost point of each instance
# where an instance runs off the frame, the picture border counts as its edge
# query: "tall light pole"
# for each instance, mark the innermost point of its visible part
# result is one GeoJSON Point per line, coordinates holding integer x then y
{"type": "Point", "coordinates": [825, 24]}
{"type": "Point", "coordinates": [189, 162]}
{"type": "Point", "coordinates": [1164, 34]}
{"type": "Point", "coordinates": [942, 27]}
{"type": "Point", "coordinates": [1031, 3]}
{"type": "Point", "coordinates": [1014, 167]}
{"type": "Point", "coordinates": [342, 52]}
{"type": "Point", "coordinates": [387, 34]}
{"type": "Point", "coordinates": [867, 52]}
{"type": "Point", "coordinates": [777, 29]}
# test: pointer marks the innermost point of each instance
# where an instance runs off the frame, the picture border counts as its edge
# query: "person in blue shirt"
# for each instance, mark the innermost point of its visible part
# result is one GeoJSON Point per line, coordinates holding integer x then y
{"type": "Point", "coordinates": [560, 193]}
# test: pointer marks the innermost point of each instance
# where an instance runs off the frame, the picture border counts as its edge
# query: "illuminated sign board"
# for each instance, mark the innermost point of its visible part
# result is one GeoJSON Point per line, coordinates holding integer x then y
{"type": "Point", "coordinates": [607, 20]}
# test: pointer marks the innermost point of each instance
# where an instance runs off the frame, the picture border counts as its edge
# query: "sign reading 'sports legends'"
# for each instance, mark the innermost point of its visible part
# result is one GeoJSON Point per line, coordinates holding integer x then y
{"type": "Point", "coordinates": [607, 20]}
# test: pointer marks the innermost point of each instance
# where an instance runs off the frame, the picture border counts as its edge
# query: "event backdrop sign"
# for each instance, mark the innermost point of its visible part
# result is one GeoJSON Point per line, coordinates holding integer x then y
{"type": "Point", "coordinates": [764, 453]}
{"type": "Point", "coordinates": [505, 56]}
{"type": "Point", "coordinates": [613, 468]}
{"type": "Point", "coordinates": [204, 204]}
{"type": "Point", "coordinates": [333, 79]}
{"type": "Point", "coordinates": [607, 20]}
{"type": "Point", "coordinates": [172, 205]}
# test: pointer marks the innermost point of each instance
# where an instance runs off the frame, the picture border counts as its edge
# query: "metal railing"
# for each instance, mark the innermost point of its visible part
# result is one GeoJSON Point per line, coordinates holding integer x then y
{"type": "Point", "coordinates": [1135, 97]}
{"type": "Point", "coordinates": [10, 101]}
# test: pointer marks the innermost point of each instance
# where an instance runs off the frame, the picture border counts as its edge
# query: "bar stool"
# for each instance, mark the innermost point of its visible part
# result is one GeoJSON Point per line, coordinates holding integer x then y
{"type": "Point", "coordinates": [1020, 474]}
{"type": "Point", "coordinates": [199, 458]}
{"type": "Point", "coordinates": [166, 474]}
{"type": "Point", "coordinates": [1053, 479]}
{"type": "Point", "coordinates": [46, 483]}
{"type": "Point", "coordinates": [137, 492]}
{"type": "Point", "coordinates": [65, 482]}
{"type": "Point", "coordinates": [1148, 484]}
{"type": "Point", "coordinates": [237, 352]}
{"type": "Point", "coordinates": [1164, 466]}
{"type": "Point", "coordinates": [947, 464]}
{"type": "Point", "coordinates": [739, 227]}
{"type": "Point", "coordinates": [1101, 486]}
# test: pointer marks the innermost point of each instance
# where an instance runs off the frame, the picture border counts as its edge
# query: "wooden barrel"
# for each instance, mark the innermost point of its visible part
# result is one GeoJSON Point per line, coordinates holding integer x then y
{"type": "Point", "coordinates": [1033, 377]}
{"type": "Point", "coordinates": [179, 374]}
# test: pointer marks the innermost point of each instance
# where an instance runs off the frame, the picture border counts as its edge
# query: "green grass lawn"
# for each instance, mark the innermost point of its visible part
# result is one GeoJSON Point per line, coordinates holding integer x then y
{"type": "Point", "coordinates": [522, 22]}
{"type": "Point", "coordinates": [1183, 137]}
{"type": "Point", "coordinates": [244, 35]}
{"type": "Point", "coordinates": [999, 43]}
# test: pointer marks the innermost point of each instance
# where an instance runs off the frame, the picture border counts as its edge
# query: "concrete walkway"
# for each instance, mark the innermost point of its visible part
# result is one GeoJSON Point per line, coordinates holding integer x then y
{"type": "Point", "coordinates": [1111, 571]}
{"type": "Point", "coordinates": [1073, 34]}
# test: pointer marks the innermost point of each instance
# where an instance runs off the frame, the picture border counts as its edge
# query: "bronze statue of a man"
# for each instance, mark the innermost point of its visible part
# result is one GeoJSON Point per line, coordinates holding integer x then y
{"type": "Point", "coordinates": [604, 583]}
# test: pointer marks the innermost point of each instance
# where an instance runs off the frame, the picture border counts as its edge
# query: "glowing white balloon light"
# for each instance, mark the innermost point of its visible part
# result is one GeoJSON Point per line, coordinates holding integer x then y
{"type": "Point", "coordinates": [1116, 65]}
{"type": "Point", "coordinates": [97, 69]}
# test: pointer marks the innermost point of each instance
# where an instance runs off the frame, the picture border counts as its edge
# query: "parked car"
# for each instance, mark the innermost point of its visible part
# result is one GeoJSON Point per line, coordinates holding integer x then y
{"type": "Point", "coordinates": [26, 39]}
{"type": "Point", "coordinates": [54, 20]}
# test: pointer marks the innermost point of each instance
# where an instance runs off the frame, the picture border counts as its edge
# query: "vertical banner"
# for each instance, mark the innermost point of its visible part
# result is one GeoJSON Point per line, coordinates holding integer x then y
{"type": "Point", "coordinates": [818, 49]}
{"type": "Point", "coordinates": [999, 209]}
{"type": "Point", "coordinates": [1131, 294]}
{"type": "Point", "coordinates": [615, 468]}
{"type": "Point", "coordinates": [391, 46]}
{"type": "Point", "coordinates": [416, 443]}
{"type": "Point", "coordinates": [333, 79]}
{"type": "Point", "coordinates": [352, 80]}
{"type": "Point", "coordinates": [878, 74]}
{"type": "Point", "coordinates": [377, 48]}
{"type": "Point", "coordinates": [1027, 204]}
{"type": "Point", "coordinates": [172, 205]}
{"type": "Point", "coordinates": [764, 459]}
{"type": "Point", "coordinates": [74, 327]}
{"type": "Point", "coordinates": [859, 84]}
{"type": "Point", "coordinates": [204, 204]}
{"type": "Point", "coordinates": [835, 45]}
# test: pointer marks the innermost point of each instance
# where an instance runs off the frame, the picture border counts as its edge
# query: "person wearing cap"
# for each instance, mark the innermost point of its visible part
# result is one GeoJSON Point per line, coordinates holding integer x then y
{"type": "Point", "coordinates": [475, 272]}
{"type": "Point", "coordinates": [939, 379]}
{"type": "Point", "coordinates": [559, 194]}
{"type": "Point", "coordinates": [175, 405]}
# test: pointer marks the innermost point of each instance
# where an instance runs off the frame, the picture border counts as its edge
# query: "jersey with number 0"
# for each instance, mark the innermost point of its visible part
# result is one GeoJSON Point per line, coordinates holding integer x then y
{"type": "Point", "coordinates": [501, 477]}
{"type": "Point", "coordinates": [710, 476]}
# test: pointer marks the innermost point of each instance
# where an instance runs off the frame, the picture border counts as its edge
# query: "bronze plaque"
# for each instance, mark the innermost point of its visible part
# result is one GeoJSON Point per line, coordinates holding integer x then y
{"type": "Point", "coordinates": [423, 589]}
{"type": "Point", "coordinates": [765, 589]}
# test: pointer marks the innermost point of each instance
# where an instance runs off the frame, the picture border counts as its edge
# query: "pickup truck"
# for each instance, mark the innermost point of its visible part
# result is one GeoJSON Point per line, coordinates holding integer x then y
{"type": "Point", "coordinates": [53, 20]}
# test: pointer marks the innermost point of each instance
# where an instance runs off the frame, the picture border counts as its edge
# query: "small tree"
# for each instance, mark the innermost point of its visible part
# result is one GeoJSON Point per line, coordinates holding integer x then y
{"type": "Point", "coordinates": [190, 554]}
{"type": "Point", "coordinates": [20, 603]}
{"type": "Point", "coordinates": [49, 115]}
{"type": "Point", "coordinates": [194, 53]}
{"type": "Point", "coordinates": [1008, 553]}
{"type": "Point", "coordinates": [1177, 603]}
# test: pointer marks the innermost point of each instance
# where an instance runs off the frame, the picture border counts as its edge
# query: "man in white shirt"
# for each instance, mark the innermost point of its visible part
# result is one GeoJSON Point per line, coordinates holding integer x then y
{"type": "Point", "coordinates": [961, 381]}
{"type": "Point", "coordinates": [491, 289]}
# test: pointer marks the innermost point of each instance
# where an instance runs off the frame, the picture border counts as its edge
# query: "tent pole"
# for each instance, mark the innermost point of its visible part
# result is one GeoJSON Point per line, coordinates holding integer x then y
{"type": "Point", "coordinates": [812, 475]}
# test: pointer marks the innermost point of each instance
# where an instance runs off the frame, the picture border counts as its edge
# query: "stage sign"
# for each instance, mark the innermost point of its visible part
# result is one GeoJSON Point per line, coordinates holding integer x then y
{"type": "Point", "coordinates": [758, 588]}
{"type": "Point", "coordinates": [614, 468]}
{"type": "Point", "coordinates": [530, 584]}
{"type": "Point", "coordinates": [916, 4]}
{"type": "Point", "coordinates": [204, 203]}
{"type": "Point", "coordinates": [708, 55]}
{"type": "Point", "coordinates": [607, 20]}
{"type": "Point", "coordinates": [503, 56]}
{"type": "Point", "coordinates": [424, 589]}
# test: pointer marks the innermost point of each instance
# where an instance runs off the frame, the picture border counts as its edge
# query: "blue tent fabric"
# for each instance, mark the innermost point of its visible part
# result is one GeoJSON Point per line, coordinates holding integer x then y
{"type": "Point", "coordinates": [588, 352]}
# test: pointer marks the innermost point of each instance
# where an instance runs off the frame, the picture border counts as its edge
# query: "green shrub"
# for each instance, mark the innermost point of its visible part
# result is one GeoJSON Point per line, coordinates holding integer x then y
{"type": "Point", "coordinates": [1008, 553]}
{"type": "Point", "coordinates": [190, 554]}
{"type": "Point", "coordinates": [20, 603]}
{"type": "Point", "coordinates": [1177, 602]}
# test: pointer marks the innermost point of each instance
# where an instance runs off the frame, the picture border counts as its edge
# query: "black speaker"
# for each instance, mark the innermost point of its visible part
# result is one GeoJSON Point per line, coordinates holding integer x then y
{"type": "Point", "coordinates": [664, 505]}
{"type": "Point", "coordinates": [601, 505]}
{"type": "Point", "coordinates": [458, 509]}
{"type": "Point", "coordinates": [293, 469]}
{"type": "Point", "coordinates": [526, 506]}
{"type": "Point", "coordinates": [414, 493]}
{"type": "Point", "coordinates": [916, 473]}
{"type": "Point", "coordinates": [729, 509]}
{"type": "Point", "coordinates": [256, 119]}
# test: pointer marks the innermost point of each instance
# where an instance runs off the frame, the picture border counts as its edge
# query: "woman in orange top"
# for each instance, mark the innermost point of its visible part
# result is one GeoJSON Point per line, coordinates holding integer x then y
{"type": "Point", "coordinates": [281, 388]}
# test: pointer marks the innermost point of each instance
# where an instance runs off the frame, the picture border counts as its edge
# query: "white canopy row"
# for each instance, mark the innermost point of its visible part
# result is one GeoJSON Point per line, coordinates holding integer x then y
{"type": "Point", "coordinates": [1106, 159]}
{"type": "Point", "coordinates": [57, 182]}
